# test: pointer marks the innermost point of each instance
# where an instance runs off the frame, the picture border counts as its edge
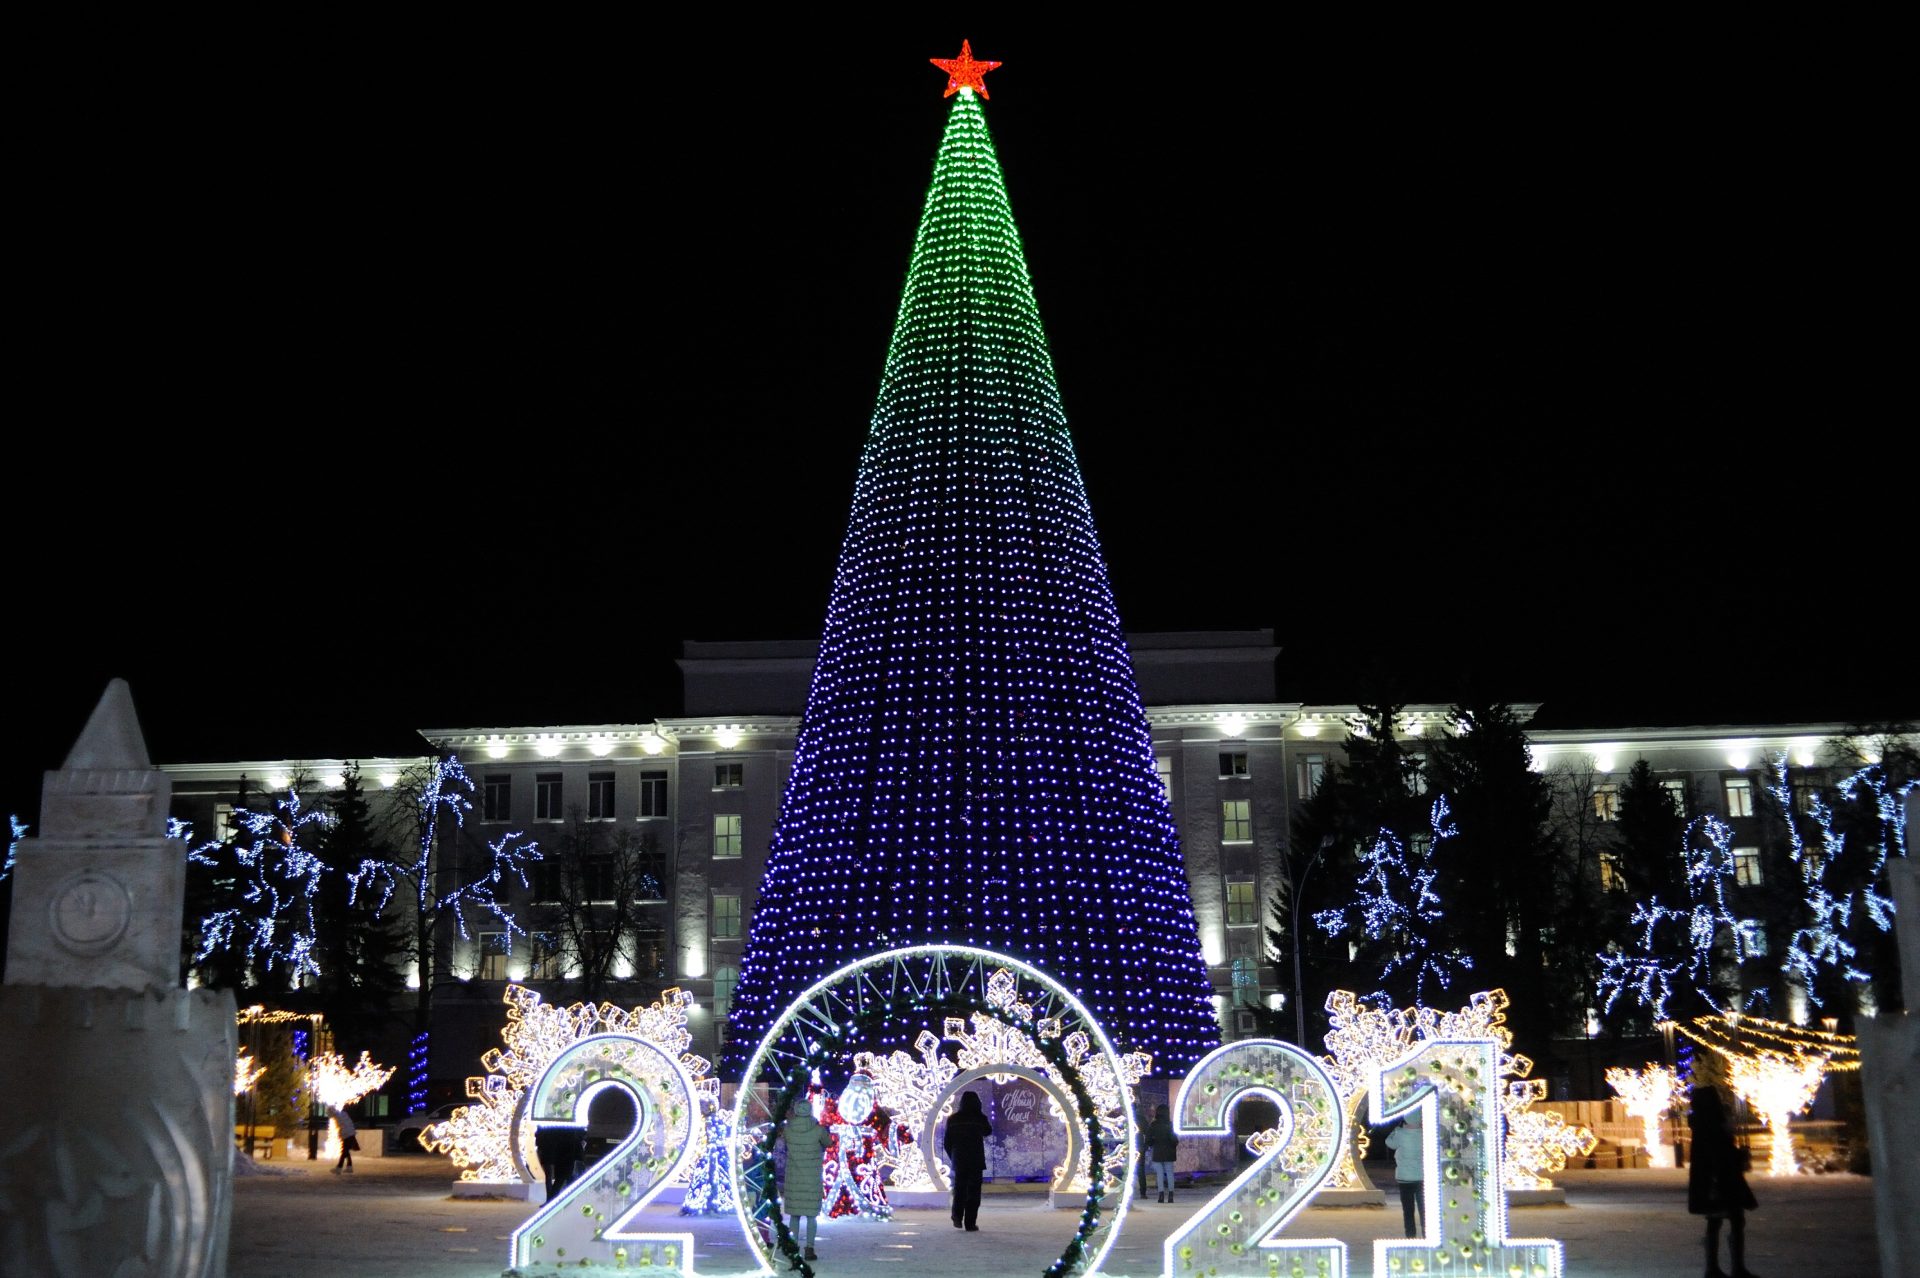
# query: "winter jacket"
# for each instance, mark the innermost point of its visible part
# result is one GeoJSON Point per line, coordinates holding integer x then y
{"type": "Point", "coordinates": [1405, 1141]}
{"type": "Point", "coordinates": [1716, 1183]}
{"type": "Point", "coordinates": [1162, 1145]}
{"type": "Point", "coordinates": [966, 1136]}
{"type": "Point", "coordinates": [806, 1150]}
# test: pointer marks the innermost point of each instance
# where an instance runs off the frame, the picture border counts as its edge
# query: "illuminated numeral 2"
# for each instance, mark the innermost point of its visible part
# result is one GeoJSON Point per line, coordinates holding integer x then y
{"type": "Point", "coordinates": [1454, 1086]}
{"type": "Point", "coordinates": [1234, 1234]}
{"type": "Point", "coordinates": [587, 1222]}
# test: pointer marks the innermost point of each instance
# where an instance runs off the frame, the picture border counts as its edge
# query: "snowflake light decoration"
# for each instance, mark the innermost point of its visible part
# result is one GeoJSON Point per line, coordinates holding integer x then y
{"type": "Point", "coordinates": [1649, 1095]}
{"type": "Point", "coordinates": [1361, 1038]}
{"type": "Point", "coordinates": [479, 1137]}
{"type": "Point", "coordinates": [909, 1089]}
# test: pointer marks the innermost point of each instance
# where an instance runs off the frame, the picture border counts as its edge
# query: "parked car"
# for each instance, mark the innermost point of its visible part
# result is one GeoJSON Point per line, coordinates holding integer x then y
{"type": "Point", "coordinates": [404, 1136]}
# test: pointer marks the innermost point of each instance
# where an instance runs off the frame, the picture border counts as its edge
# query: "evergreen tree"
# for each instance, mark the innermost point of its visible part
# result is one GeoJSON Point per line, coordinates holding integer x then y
{"type": "Point", "coordinates": [1507, 890]}
{"type": "Point", "coordinates": [360, 950]}
{"type": "Point", "coordinates": [1647, 835]}
{"type": "Point", "coordinates": [974, 765]}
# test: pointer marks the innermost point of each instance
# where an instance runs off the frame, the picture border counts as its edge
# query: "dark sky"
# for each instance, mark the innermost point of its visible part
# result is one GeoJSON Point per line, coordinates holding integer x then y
{"type": "Point", "coordinates": [377, 380]}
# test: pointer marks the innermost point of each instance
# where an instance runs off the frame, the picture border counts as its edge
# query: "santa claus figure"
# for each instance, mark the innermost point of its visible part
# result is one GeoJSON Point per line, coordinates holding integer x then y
{"type": "Point", "coordinates": [865, 1142]}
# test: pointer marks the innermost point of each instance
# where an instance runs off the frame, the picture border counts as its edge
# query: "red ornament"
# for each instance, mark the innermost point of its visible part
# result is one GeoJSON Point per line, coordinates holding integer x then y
{"type": "Point", "coordinates": [963, 72]}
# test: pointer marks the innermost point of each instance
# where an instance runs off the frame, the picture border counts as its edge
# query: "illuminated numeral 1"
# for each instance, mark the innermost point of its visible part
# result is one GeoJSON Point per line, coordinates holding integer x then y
{"type": "Point", "coordinates": [1235, 1233]}
{"type": "Point", "coordinates": [587, 1222]}
{"type": "Point", "coordinates": [1453, 1086]}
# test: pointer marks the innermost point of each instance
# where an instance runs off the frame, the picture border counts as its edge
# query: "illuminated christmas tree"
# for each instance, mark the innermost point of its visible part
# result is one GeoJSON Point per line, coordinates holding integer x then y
{"type": "Point", "coordinates": [974, 766]}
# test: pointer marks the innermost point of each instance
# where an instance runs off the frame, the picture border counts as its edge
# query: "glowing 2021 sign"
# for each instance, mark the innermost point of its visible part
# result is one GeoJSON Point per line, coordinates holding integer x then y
{"type": "Point", "coordinates": [1454, 1084]}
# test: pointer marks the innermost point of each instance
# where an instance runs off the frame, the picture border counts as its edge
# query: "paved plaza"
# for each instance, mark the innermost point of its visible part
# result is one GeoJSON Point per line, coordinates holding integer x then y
{"type": "Point", "coordinates": [395, 1218]}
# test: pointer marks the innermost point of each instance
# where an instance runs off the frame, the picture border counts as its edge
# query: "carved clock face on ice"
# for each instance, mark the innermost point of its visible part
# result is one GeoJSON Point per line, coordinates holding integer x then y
{"type": "Point", "coordinates": [90, 912]}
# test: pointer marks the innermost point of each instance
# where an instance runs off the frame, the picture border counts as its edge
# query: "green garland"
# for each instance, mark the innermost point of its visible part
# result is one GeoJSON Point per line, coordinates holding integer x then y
{"type": "Point", "coordinates": [826, 1049]}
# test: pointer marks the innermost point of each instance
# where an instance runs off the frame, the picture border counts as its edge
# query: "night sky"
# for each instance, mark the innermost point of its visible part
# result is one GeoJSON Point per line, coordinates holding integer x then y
{"type": "Point", "coordinates": [379, 381]}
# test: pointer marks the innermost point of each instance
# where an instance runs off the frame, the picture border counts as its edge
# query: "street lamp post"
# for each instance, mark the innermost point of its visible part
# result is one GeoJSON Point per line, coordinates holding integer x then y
{"type": "Point", "coordinates": [1298, 886]}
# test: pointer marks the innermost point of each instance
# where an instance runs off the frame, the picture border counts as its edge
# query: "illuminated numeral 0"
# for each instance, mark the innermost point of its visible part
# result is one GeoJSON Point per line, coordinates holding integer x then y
{"type": "Point", "coordinates": [587, 1222]}
{"type": "Point", "coordinates": [1455, 1087]}
{"type": "Point", "coordinates": [1235, 1233]}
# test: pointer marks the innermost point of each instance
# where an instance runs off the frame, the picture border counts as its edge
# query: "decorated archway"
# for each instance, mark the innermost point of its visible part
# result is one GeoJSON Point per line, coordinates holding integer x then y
{"type": "Point", "coordinates": [832, 1017]}
{"type": "Point", "coordinates": [1059, 1101]}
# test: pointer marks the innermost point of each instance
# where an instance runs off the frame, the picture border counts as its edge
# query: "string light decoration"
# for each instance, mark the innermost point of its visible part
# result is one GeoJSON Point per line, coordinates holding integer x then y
{"type": "Point", "coordinates": [1362, 1037]}
{"type": "Point", "coordinates": [488, 1139]}
{"type": "Point", "coordinates": [277, 877]}
{"type": "Point", "coordinates": [1649, 1095]}
{"type": "Point", "coordinates": [973, 740]}
{"type": "Point", "coordinates": [1674, 948]}
{"type": "Point", "coordinates": [1396, 902]}
{"type": "Point", "coordinates": [1842, 885]}
{"type": "Point", "coordinates": [19, 829]}
{"type": "Point", "coordinates": [1825, 941]}
{"type": "Point", "coordinates": [710, 1183]}
{"type": "Point", "coordinates": [1775, 1069]}
{"type": "Point", "coordinates": [246, 1074]}
{"type": "Point", "coordinates": [335, 1086]}
{"type": "Point", "coordinates": [417, 1073]}
{"type": "Point", "coordinates": [444, 796]}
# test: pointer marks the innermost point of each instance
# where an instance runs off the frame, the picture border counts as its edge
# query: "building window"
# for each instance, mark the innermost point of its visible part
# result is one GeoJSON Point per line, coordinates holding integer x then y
{"type": "Point", "coordinates": [1677, 791]}
{"type": "Point", "coordinates": [224, 827]}
{"type": "Point", "coordinates": [1611, 878]}
{"type": "Point", "coordinates": [1753, 937]}
{"type": "Point", "coordinates": [729, 776]}
{"type": "Point", "coordinates": [496, 797]}
{"type": "Point", "coordinates": [547, 797]}
{"type": "Point", "coordinates": [649, 954]}
{"type": "Point", "coordinates": [1805, 791]}
{"type": "Point", "coordinates": [1606, 802]}
{"type": "Point", "coordinates": [493, 957]}
{"type": "Point", "coordinates": [1241, 908]}
{"type": "Point", "coordinates": [726, 836]}
{"type": "Point", "coordinates": [726, 917]}
{"type": "Point", "coordinates": [1233, 763]}
{"type": "Point", "coordinates": [599, 796]}
{"type": "Point", "coordinates": [724, 979]}
{"type": "Point", "coordinates": [1416, 774]}
{"type": "Point", "coordinates": [653, 794]}
{"type": "Point", "coordinates": [1746, 867]}
{"type": "Point", "coordinates": [1236, 821]}
{"type": "Point", "coordinates": [597, 878]}
{"type": "Point", "coordinates": [1163, 767]}
{"type": "Point", "coordinates": [1739, 796]}
{"type": "Point", "coordinates": [1246, 983]}
{"type": "Point", "coordinates": [545, 961]}
{"type": "Point", "coordinates": [1312, 771]}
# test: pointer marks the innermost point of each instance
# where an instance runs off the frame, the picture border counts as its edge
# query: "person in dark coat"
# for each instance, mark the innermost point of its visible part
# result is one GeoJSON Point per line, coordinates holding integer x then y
{"type": "Point", "coordinates": [558, 1148]}
{"type": "Point", "coordinates": [966, 1144]}
{"type": "Point", "coordinates": [1163, 1147]}
{"type": "Point", "coordinates": [1716, 1184]}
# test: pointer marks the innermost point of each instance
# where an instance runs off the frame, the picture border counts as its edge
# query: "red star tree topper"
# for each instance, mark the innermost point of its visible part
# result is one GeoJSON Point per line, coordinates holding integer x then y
{"type": "Point", "coordinates": [964, 72]}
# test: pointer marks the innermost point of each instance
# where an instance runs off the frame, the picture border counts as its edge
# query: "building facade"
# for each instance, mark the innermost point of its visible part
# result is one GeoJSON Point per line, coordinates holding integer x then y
{"type": "Point", "coordinates": [701, 793]}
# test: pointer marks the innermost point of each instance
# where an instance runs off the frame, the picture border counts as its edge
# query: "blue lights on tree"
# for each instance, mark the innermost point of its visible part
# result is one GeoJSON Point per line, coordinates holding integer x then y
{"type": "Point", "coordinates": [276, 876]}
{"type": "Point", "coordinates": [974, 766]}
{"type": "Point", "coordinates": [1396, 905]}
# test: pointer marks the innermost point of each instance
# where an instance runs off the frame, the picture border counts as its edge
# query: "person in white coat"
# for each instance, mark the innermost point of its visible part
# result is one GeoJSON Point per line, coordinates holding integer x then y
{"type": "Point", "coordinates": [1410, 1173]}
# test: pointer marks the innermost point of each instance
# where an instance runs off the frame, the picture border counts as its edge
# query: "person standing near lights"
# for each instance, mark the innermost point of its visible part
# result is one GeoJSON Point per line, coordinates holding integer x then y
{"type": "Point", "coordinates": [1163, 1147]}
{"type": "Point", "coordinates": [806, 1153]}
{"type": "Point", "coordinates": [1716, 1182]}
{"type": "Point", "coordinates": [965, 1143]}
{"type": "Point", "coordinates": [1410, 1173]}
{"type": "Point", "coordinates": [343, 1123]}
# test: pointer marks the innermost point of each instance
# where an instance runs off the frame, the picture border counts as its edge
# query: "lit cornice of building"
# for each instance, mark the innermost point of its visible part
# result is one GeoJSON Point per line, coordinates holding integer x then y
{"type": "Point", "coordinates": [1296, 721]}
{"type": "Point", "coordinates": [1738, 746]}
{"type": "Point", "coordinates": [563, 743]}
{"type": "Point", "coordinates": [735, 732]}
{"type": "Point", "coordinates": [274, 774]}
